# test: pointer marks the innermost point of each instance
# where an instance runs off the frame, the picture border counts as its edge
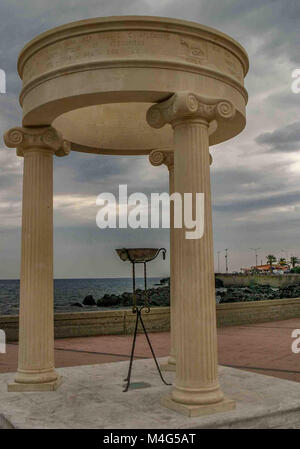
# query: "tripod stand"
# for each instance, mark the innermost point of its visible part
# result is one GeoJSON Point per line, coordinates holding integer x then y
{"type": "Point", "coordinates": [140, 255]}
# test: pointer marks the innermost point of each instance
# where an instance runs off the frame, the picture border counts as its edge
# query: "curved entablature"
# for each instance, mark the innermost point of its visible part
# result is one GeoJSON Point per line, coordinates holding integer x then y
{"type": "Point", "coordinates": [97, 63]}
{"type": "Point", "coordinates": [89, 35]}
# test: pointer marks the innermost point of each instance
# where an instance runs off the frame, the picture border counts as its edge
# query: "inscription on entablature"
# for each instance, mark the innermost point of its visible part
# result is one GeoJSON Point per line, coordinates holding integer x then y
{"type": "Point", "coordinates": [103, 44]}
{"type": "Point", "coordinates": [121, 44]}
{"type": "Point", "coordinates": [194, 51]}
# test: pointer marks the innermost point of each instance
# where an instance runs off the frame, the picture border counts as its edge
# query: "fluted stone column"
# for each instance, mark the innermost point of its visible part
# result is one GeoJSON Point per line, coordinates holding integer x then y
{"type": "Point", "coordinates": [196, 389]}
{"type": "Point", "coordinates": [36, 329]}
{"type": "Point", "coordinates": [156, 158]}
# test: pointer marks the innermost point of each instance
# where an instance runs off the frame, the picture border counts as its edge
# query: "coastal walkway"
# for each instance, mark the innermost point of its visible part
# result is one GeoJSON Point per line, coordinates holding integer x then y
{"type": "Point", "coordinates": [264, 348]}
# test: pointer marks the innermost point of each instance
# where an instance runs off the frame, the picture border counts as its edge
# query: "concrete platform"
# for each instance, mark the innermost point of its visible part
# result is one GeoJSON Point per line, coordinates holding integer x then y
{"type": "Point", "coordinates": [264, 348]}
{"type": "Point", "coordinates": [91, 397]}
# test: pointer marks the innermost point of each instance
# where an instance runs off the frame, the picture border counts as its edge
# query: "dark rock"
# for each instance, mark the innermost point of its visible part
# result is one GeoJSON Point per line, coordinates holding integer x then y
{"type": "Point", "coordinates": [221, 291]}
{"type": "Point", "coordinates": [109, 301]}
{"type": "Point", "coordinates": [164, 281]}
{"type": "Point", "coordinates": [159, 296]}
{"type": "Point", "coordinates": [125, 299]}
{"type": "Point", "coordinates": [247, 290]}
{"type": "Point", "coordinates": [126, 295]}
{"type": "Point", "coordinates": [256, 292]}
{"type": "Point", "coordinates": [218, 283]}
{"type": "Point", "coordinates": [89, 301]}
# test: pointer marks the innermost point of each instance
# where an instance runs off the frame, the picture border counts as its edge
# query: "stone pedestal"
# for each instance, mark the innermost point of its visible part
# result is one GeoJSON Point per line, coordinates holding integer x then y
{"type": "Point", "coordinates": [197, 389]}
{"type": "Point", "coordinates": [36, 330]}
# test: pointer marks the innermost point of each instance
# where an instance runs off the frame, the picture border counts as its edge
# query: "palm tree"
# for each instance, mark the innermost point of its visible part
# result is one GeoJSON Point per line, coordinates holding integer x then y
{"type": "Point", "coordinates": [282, 261]}
{"type": "Point", "coordinates": [271, 259]}
{"type": "Point", "coordinates": [294, 261]}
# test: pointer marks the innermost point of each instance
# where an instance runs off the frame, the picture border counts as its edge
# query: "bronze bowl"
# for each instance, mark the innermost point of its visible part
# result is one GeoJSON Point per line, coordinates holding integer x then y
{"type": "Point", "coordinates": [139, 255]}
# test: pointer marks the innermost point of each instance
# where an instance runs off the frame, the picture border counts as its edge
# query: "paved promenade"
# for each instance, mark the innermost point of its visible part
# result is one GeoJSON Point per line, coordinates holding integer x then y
{"type": "Point", "coordinates": [264, 348]}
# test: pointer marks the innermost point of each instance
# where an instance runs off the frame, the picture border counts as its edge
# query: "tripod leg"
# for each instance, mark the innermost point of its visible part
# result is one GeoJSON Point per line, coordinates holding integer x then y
{"type": "Point", "coordinates": [152, 351]}
{"type": "Point", "coordinates": [133, 286]}
{"type": "Point", "coordinates": [132, 353]}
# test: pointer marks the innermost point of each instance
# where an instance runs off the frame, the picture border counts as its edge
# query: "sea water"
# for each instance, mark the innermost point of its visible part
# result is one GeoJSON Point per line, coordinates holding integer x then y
{"type": "Point", "coordinates": [68, 291]}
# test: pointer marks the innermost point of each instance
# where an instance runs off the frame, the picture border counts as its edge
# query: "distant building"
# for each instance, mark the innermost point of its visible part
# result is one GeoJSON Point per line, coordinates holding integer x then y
{"type": "Point", "coordinates": [277, 269]}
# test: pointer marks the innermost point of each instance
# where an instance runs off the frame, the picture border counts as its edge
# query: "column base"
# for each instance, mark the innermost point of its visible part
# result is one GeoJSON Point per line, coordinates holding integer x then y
{"type": "Point", "coordinates": [168, 366]}
{"type": "Point", "coordinates": [197, 410]}
{"type": "Point", "coordinates": [45, 386]}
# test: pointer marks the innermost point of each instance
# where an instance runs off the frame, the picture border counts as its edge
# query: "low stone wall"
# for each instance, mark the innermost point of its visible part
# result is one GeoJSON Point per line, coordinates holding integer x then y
{"type": "Point", "coordinates": [82, 324]}
{"type": "Point", "coordinates": [237, 313]}
{"type": "Point", "coordinates": [121, 322]}
{"type": "Point", "coordinates": [275, 280]}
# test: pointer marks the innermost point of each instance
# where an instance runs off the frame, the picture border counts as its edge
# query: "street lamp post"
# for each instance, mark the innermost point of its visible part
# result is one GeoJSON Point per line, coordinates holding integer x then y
{"type": "Point", "coordinates": [218, 252]}
{"type": "Point", "coordinates": [226, 259]}
{"type": "Point", "coordinates": [256, 254]}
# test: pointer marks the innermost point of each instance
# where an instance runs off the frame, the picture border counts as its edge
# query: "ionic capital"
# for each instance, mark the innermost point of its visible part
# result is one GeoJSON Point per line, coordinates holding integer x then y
{"type": "Point", "coordinates": [159, 157]}
{"type": "Point", "coordinates": [166, 157]}
{"type": "Point", "coordinates": [185, 105]}
{"type": "Point", "coordinates": [43, 138]}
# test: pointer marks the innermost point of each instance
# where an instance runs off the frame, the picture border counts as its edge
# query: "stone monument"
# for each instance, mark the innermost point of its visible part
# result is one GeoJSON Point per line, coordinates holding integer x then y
{"type": "Point", "coordinates": [128, 85]}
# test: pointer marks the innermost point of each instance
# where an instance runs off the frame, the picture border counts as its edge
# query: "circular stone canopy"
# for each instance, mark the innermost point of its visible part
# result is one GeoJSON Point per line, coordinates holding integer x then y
{"type": "Point", "coordinates": [95, 79]}
{"type": "Point", "coordinates": [118, 128]}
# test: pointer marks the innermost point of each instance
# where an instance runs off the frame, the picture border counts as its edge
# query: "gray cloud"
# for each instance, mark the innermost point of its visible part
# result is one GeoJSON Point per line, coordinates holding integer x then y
{"type": "Point", "coordinates": [284, 99]}
{"type": "Point", "coordinates": [255, 204]}
{"type": "Point", "coordinates": [283, 139]}
{"type": "Point", "coordinates": [249, 185]}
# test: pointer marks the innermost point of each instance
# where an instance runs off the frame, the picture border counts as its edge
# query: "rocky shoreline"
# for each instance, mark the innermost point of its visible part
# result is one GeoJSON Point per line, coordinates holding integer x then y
{"type": "Point", "coordinates": [255, 292]}
{"type": "Point", "coordinates": [156, 296]}
{"type": "Point", "coordinates": [160, 296]}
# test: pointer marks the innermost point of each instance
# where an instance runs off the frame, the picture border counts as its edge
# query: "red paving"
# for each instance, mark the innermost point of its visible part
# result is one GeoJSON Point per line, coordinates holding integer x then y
{"type": "Point", "coordinates": [264, 348]}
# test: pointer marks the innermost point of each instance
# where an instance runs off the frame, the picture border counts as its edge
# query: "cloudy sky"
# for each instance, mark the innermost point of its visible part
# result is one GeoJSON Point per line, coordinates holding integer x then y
{"type": "Point", "coordinates": [255, 176]}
